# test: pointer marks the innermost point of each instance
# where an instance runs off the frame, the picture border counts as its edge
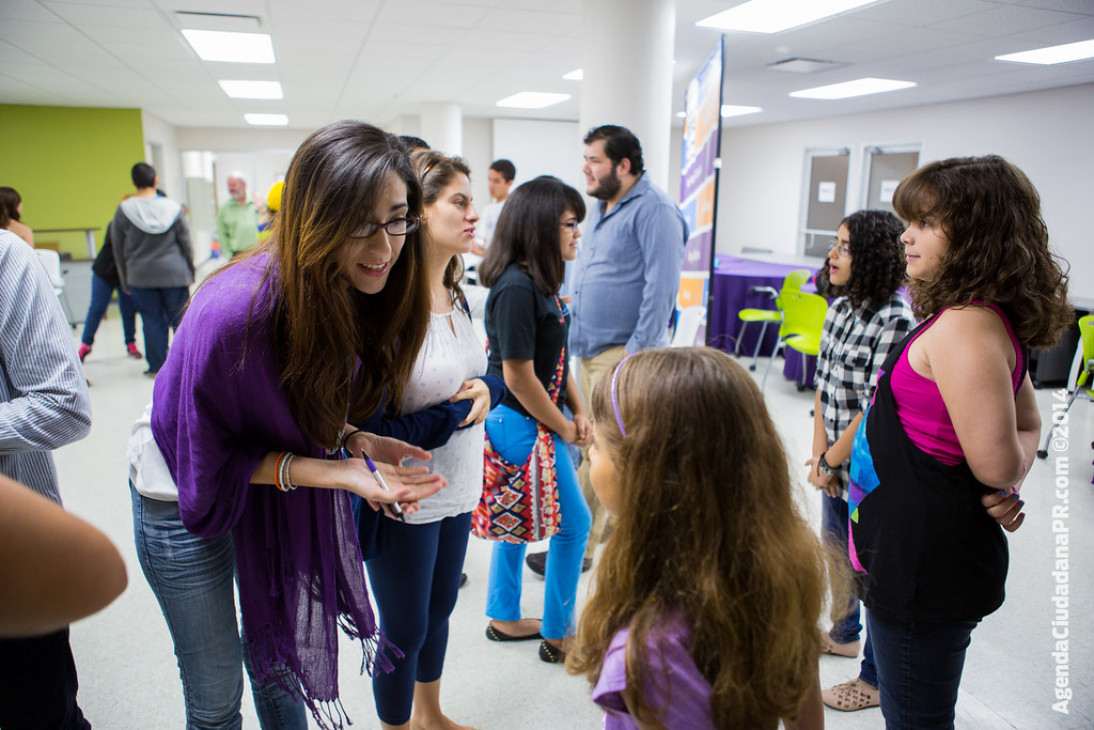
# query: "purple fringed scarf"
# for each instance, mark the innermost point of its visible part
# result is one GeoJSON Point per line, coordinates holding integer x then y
{"type": "Point", "coordinates": [299, 563]}
{"type": "Point", "coordinates": [291, 622]}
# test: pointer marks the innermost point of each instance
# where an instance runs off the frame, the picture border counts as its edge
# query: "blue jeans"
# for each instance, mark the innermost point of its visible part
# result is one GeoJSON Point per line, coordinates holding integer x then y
{"type": "Point", "coordinates": [512, 435]}
{"type": "Point", "coordinates": [100, 299]}
{"type": "Point", "coordinates": [160, 308]}
{"type": "Point", "coordinates": [415, 582]}
{"type": "Point", "coordinates": [919, 665]}
{"type": "Point", "coordinates": [846, 627]}
{"type": "Point", "coordinates": [192, 579]}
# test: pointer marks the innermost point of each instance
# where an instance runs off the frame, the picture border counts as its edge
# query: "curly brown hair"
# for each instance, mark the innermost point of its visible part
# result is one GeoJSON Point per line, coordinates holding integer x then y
{"type": "Point", "coordinates": [707, 529]}
{"type": "Point", "coordinates": [998, 249]}
{"type": "Point", "coordinates": [878, 268]}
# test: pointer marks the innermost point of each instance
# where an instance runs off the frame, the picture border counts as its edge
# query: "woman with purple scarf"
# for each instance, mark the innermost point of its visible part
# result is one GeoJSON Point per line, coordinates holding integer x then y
{"type": "Point", "coordinates": [275, 354]}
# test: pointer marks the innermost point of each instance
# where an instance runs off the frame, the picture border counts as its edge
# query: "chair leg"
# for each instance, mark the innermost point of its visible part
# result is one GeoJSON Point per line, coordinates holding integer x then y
{"type": "Point", "coordinates": [780, 345]}
{"type": "Point", "coordinates": [740, 336]}
{"type": "Point", "coordinates": [759, 344]}
{"type": "Point", "coordinates": [1042, 453]}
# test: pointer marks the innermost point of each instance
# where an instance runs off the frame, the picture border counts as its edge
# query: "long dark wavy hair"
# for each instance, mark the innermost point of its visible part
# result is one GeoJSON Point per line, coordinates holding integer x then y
{"type": "Point", "coordinates": [877, 258]}
{"type": "Point", "coordinates": [340, 351]}
{"type": "Point", "coordinates": [998, 249]}
{"type": "Point", "coordinates": [708, 532]}
{"type": "Point", "coordinates": [436, 172]}
{"type": "Point", "coordinates": [529, 233]}
{"type": "Point", "coordinates": [9, 205]}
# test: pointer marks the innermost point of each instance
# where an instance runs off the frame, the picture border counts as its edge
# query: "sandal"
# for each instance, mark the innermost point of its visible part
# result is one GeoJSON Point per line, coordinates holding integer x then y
{"type": "Point", "coordinates": [850, 649]}
{"type": "Point", "coordinates": [851, 696]}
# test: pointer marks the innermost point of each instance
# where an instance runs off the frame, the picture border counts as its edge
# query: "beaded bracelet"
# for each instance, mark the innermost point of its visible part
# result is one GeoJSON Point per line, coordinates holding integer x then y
{"type": "Point", "coordinates": [289, 486]}
{"type": "Point", "coordinates": [279, 470]}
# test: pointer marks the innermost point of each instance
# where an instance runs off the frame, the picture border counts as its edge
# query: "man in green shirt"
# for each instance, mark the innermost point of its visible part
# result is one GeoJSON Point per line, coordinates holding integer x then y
{"type": "Point", "coordinates": [237, 220]}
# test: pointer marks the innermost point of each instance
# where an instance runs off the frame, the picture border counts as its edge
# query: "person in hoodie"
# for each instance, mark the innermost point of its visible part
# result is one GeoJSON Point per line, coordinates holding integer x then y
{"type": "Point", "coordinates": [155, 263]}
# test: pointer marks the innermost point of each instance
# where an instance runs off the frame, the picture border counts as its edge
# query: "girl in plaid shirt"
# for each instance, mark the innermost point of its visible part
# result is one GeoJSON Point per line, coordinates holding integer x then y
{"type": "Point", "coordinates": [866, 268]}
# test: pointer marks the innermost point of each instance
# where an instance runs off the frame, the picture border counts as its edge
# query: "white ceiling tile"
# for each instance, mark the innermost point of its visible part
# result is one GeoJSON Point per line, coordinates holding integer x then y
{"type": "Point", "coordinates": [995, 23]}
{"type": "Point", "coordinates": [449, 15]}
{"type": "Point", "coordinates": [95, 16]}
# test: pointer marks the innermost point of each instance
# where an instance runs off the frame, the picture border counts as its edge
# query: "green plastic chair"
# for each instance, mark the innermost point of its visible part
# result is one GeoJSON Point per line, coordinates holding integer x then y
{"type": "Point", "coordinates": [1086, 334]}
{"type": "Point", "coordinates": [792, 283]}
{"type": "Point", "coordinates": [803, 322]}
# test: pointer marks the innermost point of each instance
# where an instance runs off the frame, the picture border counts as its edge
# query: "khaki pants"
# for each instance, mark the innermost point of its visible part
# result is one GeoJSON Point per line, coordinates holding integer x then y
{"type": "Point", "coordinates": [591, 370]}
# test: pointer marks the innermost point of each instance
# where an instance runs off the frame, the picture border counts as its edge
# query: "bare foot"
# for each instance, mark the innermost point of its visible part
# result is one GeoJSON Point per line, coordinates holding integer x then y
{"type": "Point", "coordinates": [524, 627]}
{"type": "Point", "coordinates": [443, 722]}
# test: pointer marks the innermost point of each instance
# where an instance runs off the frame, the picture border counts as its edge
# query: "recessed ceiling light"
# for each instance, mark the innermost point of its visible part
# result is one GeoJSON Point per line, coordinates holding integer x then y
{"type": "Point", "coordinates": [267, 120]}
{"type": "Point", "coordinates": [230, 47]}
{"type": "Point", "coordinates": [1053, 54]}
{"type": "Point", "coordinates": [576, 75]}
{"type": "Point", "coordinates": [772, 16]}
{"type": "Point", "coordinates": [532, 100]}
{"type": "Point", "coordinates": [732, 110]}
{"type": "Point", "coordinates": [858, 87]}
{"type": "Point", "coordinates": [239, 89]}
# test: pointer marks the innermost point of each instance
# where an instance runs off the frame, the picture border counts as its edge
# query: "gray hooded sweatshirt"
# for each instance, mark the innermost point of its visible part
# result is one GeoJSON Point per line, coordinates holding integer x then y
{"type": "Point", "coordinates": [152, 244]}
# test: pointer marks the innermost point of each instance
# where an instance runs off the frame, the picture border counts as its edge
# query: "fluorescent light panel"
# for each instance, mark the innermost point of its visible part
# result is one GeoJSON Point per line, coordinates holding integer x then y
{"type": "Point", "coordinates": [858, 87]}
{"type": "Point", "coordinates": [532, 100]}
{"type": "Point", "coordinates": [576, 75]}
{"type": "Point", "coordinates": [267, 120]}
{"type": "Point", "coordinates": [240, 89]}
{"type": "Point", "coordinates": [230, 47]}
{"type": "Point", "coordinates": [773, 16]}
{"type": "Point", "coordinates": [1053, 54]}
{"type": "Point", "coordinates": [733, 110]}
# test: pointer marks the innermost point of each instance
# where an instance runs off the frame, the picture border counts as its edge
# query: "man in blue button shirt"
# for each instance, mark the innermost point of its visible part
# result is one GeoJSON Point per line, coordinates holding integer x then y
{"type": "Point", "coordinates": [626, 275]}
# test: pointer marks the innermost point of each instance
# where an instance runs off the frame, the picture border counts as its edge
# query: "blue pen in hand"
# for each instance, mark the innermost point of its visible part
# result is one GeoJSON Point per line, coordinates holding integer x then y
{"type": "Point", "coordinates": [393, 508]}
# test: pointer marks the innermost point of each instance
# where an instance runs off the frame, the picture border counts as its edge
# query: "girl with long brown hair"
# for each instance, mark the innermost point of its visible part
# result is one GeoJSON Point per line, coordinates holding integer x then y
{"type": "Point", "coordinates": [416, 575]}
{"type": "Point", "coordinates": [705, 603]}
{"type": "Point", "coordinates": [952, 428]}
{"type": "Point", "coordinates": [275, 353]}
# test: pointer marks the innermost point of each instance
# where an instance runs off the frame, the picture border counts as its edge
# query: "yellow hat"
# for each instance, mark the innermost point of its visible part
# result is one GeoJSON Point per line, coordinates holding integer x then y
{"type": "Point", "coordinates": [273, 199]}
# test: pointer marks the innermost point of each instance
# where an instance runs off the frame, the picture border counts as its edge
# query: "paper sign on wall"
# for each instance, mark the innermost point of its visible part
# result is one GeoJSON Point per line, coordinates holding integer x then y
{"type": "Point", "coordinates": [826, 192]}
{"type": "Point", "coordinates": [888, 187]}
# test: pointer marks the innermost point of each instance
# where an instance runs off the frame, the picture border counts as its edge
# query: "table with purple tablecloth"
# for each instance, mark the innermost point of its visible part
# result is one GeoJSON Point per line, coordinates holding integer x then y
{"type": "Point", "coordinates": [736, 286]}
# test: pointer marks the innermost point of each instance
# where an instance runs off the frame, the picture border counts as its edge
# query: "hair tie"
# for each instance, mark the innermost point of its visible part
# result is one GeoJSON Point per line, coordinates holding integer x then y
{"type": "Point", "coordinates": [615, 395]}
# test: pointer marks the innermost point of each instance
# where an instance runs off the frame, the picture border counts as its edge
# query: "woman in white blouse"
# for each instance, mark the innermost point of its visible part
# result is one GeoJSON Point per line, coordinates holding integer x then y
{"type": "Point", "coordinates": [415, 566]}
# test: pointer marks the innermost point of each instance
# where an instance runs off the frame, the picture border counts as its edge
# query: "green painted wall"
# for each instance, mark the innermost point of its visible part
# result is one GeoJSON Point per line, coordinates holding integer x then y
{"type": "Point", "coordinates": [70, 165]}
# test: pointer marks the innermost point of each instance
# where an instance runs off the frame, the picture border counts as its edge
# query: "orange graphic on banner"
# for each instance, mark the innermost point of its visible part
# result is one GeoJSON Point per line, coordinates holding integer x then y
{"type": "Point", "coordinates": [691, 293]}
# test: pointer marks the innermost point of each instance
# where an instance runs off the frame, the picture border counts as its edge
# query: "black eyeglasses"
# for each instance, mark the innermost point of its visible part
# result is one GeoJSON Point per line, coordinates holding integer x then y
{"type": "Point", "coordinates": [394, 227]}
{"type": "Point", "coordinates": [574, 226]}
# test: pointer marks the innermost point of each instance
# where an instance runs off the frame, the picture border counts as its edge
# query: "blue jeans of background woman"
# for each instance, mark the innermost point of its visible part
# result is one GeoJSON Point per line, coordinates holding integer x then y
{"type": "Point", "coordinates": [512, 435]}
{"type": "Point", "coordinates": [160, 308]}
{"type": "Point", "coordinates": [101, 292]}
{"type": "Point", "coordinates": [848, 627]}
{"type": "Point", "coordinates": [919, 665]}
{"type": "Point", "coordinates": [192, 579]}
{"type": "Point", "coordinates": [415, 581]}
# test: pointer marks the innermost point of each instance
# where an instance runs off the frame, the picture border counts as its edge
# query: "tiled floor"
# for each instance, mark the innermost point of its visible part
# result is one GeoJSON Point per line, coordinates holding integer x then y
{"type": "Point", "coordinates": [129, 679]}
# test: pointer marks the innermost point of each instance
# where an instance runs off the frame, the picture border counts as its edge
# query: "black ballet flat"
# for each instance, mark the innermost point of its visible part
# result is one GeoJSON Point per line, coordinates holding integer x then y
{"type": "Point", "coordinates": [497, 635]}
{"type": "Point", "coordinates": [549, 654]}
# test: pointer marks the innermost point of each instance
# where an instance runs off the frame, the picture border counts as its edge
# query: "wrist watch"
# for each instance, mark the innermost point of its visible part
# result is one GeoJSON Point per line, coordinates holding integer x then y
{"type": "Point", "coordinates": [824, 466]}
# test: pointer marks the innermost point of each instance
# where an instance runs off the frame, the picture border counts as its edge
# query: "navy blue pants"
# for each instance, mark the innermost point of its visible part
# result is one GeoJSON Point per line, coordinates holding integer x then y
{"type": "Point", "coordinates": [415, 581]}
{"type": "Point", "coordinates": [38, 684]}
{"type": "Point", "coordinates": [919, 667]}
{"type": "Point", "coordinates": [160, 309]}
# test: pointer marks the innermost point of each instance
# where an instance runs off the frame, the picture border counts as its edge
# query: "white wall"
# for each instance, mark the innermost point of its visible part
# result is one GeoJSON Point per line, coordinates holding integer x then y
{"type": "Point", "coordinates": [158, 132]}
{"type": "Point", "coordinates": [1046, 133]}
{"type": "Point", "coordinates": [541, 148]}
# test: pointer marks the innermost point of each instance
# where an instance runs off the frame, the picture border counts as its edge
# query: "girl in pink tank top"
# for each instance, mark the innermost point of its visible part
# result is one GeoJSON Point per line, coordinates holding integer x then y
{"type": "Point", "coordinates": [920, 406]}
{"type": "Point", "coordinates": [953, 427]}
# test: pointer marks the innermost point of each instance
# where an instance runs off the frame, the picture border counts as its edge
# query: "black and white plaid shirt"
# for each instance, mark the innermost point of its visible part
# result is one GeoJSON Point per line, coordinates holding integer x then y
{"type": "Point", "coordinates": [854, 344]}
